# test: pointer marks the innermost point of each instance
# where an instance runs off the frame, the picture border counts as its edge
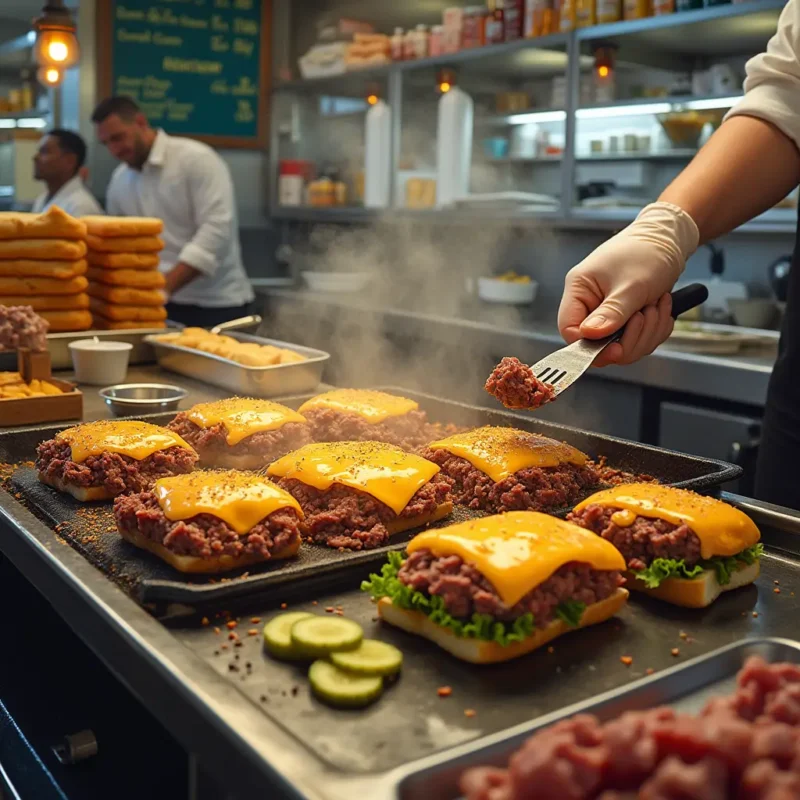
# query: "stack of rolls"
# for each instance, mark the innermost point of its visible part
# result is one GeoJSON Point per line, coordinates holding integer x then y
{"type": "Point", "coordinates": [43, 266]}
{"type": "Point", "coordinates": [124, 282]}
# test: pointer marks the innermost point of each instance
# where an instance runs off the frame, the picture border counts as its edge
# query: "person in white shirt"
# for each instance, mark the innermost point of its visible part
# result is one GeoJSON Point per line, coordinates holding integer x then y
{"type": "Point", "coordinates": [58, 162]}
{"type": "Point", "coordinates": [187, 185]}
{"type": "Point", "coordinates": [751, 163]}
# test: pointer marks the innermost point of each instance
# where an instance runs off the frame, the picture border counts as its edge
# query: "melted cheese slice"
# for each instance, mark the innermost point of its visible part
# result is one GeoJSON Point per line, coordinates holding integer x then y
{"type": "Point", "coordinates": [126, 437]}
{"type": "Point", "coordinates": [722, 529]}
{"type": "Point", "coordinates": [387, 473]}
{"type": "Point", "coordinates": [243, 416]}
{"type": "Point", "coordinates": [520, 550]}
{"type": "Point", "coordinates": [241, 499]}
{"type": "Point", "coordinates": [500, 452]}
{"type": "Point", "coordinates": [372, 406]}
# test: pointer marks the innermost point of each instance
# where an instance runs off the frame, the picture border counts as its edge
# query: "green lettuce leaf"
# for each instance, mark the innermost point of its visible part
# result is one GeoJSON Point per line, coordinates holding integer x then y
{"type": "Point", "coordinates": [571, 611]}
{"type": "Point", "coordinates": [480, 626]}
{"type": "Point", "coordinates": [724, 566]}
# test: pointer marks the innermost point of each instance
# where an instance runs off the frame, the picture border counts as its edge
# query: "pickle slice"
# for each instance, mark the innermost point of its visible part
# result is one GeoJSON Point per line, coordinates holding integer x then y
{"type": "Point", "coordinates": [371, 657]}
{"type": "Point", "coordinates": [317, 637]}
{"type": "Point", "coordinates": [343, 689]}
{"type": "Point", "coordinates": [278, 635]}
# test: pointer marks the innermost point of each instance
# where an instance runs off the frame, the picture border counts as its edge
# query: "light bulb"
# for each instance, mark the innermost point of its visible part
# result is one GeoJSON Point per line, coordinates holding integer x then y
{"type": "Point", "coordinates": [56, 48]}
{"type": "Point", "coordinates": [57, 51]}
{"type": "Point", "coordinates": [444, 87]}
{"type": "Point", "coordinates": [372, 99]}
{"type": "Point", "coordinates": [603, 71]}
{"type": "Point", "coordinates": [50, 76]}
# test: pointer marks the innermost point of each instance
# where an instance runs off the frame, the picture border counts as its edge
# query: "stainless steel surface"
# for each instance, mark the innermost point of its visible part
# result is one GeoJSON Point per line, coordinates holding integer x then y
{"type": "Point", "coordinates": [281, 379]}
{"type": "Point", "coordinates": [251, 321]}
{"type": "Point", "coordinates": [133, 399]}
{"type": "Point", "coordinates": [685, 687]}
{"type": "Point", "coordinates": [142, 353]}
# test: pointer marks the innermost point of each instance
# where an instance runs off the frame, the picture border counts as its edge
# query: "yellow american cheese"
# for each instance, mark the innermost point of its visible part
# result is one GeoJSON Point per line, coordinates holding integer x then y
{"type": "Point", "coordinates": [500, 452]}
{"type": "Point", "coordinates": [519, 550]}
{"type": "Point", "coordinates": [387, 473]}
{"type": "Point", "coordinates": [722, 529]}
{"type": "Point", "coordinates": [371, 405]}
{"type": "Point", "coordinates": [243, 416]}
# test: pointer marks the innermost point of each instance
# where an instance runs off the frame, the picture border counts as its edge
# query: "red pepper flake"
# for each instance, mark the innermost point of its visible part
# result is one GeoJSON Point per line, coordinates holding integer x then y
{"type": "Point", "coordinates": [675, 651]}
{"type": "Point", "coordinates": [776, 590]}
{"type": "Point", "coordinates": [231, 624]}
{"type": "Point", "coordinates": [683, 635]}
{"type": "Point", "coordinates": [626, 660]}
{"type": "Point", "coordinates": [216, 630]}
{"type": "Point", "coordinates": [252, 632]}
{"type": "Point", "coordinates": [470, 712]}
{"type": "Point", "coordinates": [233, 636]}
{"type": "Point", "coordinates": [444, 691]}
{"type": "Point", "coordinates": [205, 621]}
{"type": "Point", "coordinates": [284, 606]}
{"type": "Point", "coordinates": [649, 671]}
{"type": "Point", "coordinates": [223, 647]}
{"type": "Point", "coordinates": [237, 644]}
{"type": "Point", "coordinates": [255, 620]}
{"type": "Point", "coordinates": [339, 613]}
{"type": "Point", "coordinates": [329, 610]}
{"type": "Point", "coordinates": [755, 613]}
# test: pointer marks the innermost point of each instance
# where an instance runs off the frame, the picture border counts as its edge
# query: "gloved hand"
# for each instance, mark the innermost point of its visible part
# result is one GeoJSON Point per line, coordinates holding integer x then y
{"type": "Point", "coordinates": [627, 280]}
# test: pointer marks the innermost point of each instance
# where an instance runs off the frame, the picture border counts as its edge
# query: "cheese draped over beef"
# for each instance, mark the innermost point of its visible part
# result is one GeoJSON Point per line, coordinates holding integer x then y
{"type": "Point", "coordinates": [241, 499]}
{"type": "Point", "coordinates": [243, 416]}
{"type": "Point", "coordinates": [387, 473]}
{"type": "Point", "coordinates": [500, 452]}
{"type": "Point", "coordinates": [373, 406]}
{"type": "Point", "coordinates": [132, 438]}
{"type": "Point", "coordinates": [722, 529]}
{"type": "Point", "coordinates": [519, 550]}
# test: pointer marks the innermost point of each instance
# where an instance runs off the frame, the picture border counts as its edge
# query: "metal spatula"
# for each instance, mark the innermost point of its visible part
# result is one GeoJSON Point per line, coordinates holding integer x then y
{"type": "Point", "coordinates": [562, 368]}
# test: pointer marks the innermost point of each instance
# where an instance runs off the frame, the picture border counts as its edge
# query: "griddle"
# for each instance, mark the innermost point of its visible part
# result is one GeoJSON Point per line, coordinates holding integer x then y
{"type": "Point", "coordinates": [90, 528]}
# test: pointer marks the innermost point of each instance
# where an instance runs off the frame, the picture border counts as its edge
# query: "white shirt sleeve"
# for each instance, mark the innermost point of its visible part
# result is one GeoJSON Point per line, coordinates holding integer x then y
{"type": "Point", "coordinates": [213, 201]}
{"type": "Point", "coordinates": [38, 203]}
{"type": "Point", "coordinates": [772, 85]}
{"type": "Point", "coordinates": [113, 206]}
{"type": "Point", "coordinates": [83, 204]}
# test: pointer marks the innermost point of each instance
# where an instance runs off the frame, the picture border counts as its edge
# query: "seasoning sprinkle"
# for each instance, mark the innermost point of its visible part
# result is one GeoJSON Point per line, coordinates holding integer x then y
{"type": "Point", "coordinates": [470, 712]}
{"type": "Point", "coordinates": [231, 624]}
{"type": "Point", "coordinates": [444, 691]}
{"type": "Point", "coordinates": [252, 632]}
{"type": "Point", "coordinates": [626, 660]}
{"type": "Point", "coordinates": [675, 651]}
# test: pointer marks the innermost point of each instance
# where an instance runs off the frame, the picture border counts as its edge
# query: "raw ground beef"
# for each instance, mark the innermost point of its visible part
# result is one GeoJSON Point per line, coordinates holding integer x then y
{"type": "Point", "coordinates": [466, 591]}
{"type": "Point", "coordinates": [347, 518]}
{"type": "Point", "coordinates": [270, 445]}
{"type": "Point", "coordinates": [645, 540]}
{"type": "Point", "coordinates": [531, 489]}
{"type": "Point", "coordinates": [116, 473]}
{"type": "Point", "coordinates": [515, 386]}
{"type": "Point", "coordinates": [742, 747]}
{"type": "Point", "coordinates": [21, 326]}
{"type": "Point", "coordinates": [205, 535]}
{"type": "Point", "coordinates": [408, 431]}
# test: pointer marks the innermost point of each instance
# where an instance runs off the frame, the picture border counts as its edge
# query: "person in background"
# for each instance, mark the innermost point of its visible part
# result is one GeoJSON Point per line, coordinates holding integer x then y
{"type": "Point", "coordinates": [751, 163]}
{"type": "Point", "coordinates": [187, 185]}
{"type": "Point", "coordinates": [59, 162]}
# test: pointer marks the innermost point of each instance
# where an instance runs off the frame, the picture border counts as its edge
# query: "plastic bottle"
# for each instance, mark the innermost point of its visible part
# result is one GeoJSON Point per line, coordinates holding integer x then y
{"type": "Point", "coordinates": [410, 45]}
{"type": "Point", "coordinates": [495, 23]}
{"type": "Point", "coordinates": [421, 42]}
{"type": "Point", "coordinates": [514, 13]}
{"type": "Point", "coordinates": [377, 156]}
{"type": "Point", "coordinates": [437, 41]}
{"type": "Point", "coordinates": [453, 146]}
{"type": "Point", "coordinates": [396, 43]}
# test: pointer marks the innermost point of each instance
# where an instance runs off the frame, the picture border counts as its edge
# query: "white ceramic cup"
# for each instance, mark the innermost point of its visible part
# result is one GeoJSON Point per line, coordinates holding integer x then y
{"type": "Point", "coordinates": [98, 362]}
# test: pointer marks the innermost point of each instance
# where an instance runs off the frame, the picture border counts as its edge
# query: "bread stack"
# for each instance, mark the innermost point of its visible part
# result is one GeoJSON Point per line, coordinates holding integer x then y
{"type": "Point", "coordinates": [43, 265]}
{"type": "Point", "coordinates": [124, 281]}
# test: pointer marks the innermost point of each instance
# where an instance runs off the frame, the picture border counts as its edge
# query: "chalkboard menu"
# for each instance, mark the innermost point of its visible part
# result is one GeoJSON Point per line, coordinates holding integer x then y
{"type": "Point", "coordinates": [197, 68]}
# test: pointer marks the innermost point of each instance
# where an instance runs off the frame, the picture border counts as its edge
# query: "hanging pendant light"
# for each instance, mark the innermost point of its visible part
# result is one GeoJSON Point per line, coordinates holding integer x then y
{"type": "Point", "coordinates": [50, 76]}
{"type": "Point", "coordinates": [56, 41]}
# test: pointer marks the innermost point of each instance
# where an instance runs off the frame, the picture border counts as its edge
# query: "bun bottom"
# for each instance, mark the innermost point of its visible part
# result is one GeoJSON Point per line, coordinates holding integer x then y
{"type": "Point", "coordinates": [83, 494]}
{"type": "Point", "coordinates": [698, 592]}
{"type": "Point", "coordinates": [198, 564]}
{"type": "Point", "coordinates": [479, 651]}
{"type": "Point", "coordinates": [401, 524]}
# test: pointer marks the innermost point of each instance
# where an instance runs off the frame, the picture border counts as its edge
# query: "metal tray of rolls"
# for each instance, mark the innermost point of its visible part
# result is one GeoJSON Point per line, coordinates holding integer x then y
{"type": "Point", "coordinates": [274, 381]}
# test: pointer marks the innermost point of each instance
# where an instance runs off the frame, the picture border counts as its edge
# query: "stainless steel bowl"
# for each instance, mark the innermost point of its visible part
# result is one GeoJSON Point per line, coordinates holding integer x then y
{"type": "Point", "coordinates": [132, 399]}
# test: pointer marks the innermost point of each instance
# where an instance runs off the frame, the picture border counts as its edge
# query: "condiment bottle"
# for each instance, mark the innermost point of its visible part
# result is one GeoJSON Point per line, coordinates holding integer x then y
{"type": "Point", "coordinates": [421, 41]}
{"type": "Point", "coordinates": [495, 23]}
{"type": "Point", "coordinates": [396, 44]}
{"type": "Point", "coordinates": [514, 13]}
{"type": "Point", "coordinates": [410, 45]}
{"type": "Point", "coordinates": [436, 43]}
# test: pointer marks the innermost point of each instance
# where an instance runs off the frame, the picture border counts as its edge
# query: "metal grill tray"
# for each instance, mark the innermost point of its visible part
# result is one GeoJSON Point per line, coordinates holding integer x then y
{"type": "Point", "coordinates": [686, 688]}
{"type": "Point", "coordinates": [151, 580]}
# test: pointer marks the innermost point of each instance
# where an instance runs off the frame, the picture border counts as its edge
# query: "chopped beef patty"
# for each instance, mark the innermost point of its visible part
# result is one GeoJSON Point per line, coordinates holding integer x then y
{"type": "Point", "coordinates": [531, 489]}
{"type": "Point", "coordinates": [343, 517]}
{"type": "Point", "coordinates": [269, 445]}
{"type": "Point", "coordinates": [465, 591]}
{"type": "Point", "coordinates": [645, 540]}
{"type": "Point", "coordinates": [116, 473]}
{"type": "Point", "coordinates": [407, 431]}
{"type": "Point", "coordinates": [515, 386]}
{"type": "Point", "coordinates": [205, 535]}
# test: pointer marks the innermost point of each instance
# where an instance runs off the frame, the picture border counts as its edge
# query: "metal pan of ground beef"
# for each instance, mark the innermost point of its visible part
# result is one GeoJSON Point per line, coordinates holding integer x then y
{"type": "Point", "coordinates": [408, 431]}
{"type": "Point", "coordinates": [532, 489]}
{"type": "Point", "coordinates": [117, 474]}
{"type": "Point", "coordinates": [346, 518]}
{"type": "Point", "coordinates": [211, 443]}
{"type": "Point", "coordinates": [645, 540]}
{"type": "Point", "coordinates": [515, 386]}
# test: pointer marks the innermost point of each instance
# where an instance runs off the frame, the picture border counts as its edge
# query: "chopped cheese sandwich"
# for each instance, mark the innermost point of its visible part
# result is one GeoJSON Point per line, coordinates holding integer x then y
{"type": "Point", "coordinates": [678, 546]}
{"type": "Point", "coordinates": [495, 588]}
{"type": "Point", "coordinates": [356, 494]}
{"type": "Point", "coordinates": [212, 521]}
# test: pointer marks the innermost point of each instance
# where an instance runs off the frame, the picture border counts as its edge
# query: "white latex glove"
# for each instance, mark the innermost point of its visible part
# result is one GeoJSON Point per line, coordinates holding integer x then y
{"type": "Point", "coordinates": [627, 280]}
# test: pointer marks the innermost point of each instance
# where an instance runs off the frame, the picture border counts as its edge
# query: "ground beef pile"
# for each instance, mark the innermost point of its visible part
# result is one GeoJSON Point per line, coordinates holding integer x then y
{"type": "Point", "coordinates": [742, 747]}
{"type": "Point", "coordinates": [21, 326]}
{"type": "Point", "coordinates": [408, 431]}
{"type": "Point", "coordinates": [645, 540]}
{"type": "Point", "coordinates": [271, 445]}
{"type": "Point", "coordinates": [515, 386]}
{"type": "Point", "coordinates": [205, 535]}
{"type": "Point", "coordinates": [466, 591]}
{"type": "Point", "coordinates": [116, 473]}
{"type": "Point", "coordinates": [532, 489]}
{"type": "Point", "coordinates": [347, 518]}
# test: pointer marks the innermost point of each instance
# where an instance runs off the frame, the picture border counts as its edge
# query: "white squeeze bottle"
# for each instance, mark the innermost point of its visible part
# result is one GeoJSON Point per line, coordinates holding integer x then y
{"type": "Point", "coordinates": [453, 146]}
{"type": "Point", "coordinates": [377, 156]}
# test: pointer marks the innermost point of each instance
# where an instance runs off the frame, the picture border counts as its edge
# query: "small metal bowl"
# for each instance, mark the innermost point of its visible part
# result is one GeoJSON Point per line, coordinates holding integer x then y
{"type": "Point", "coordinates": [133, 399]}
